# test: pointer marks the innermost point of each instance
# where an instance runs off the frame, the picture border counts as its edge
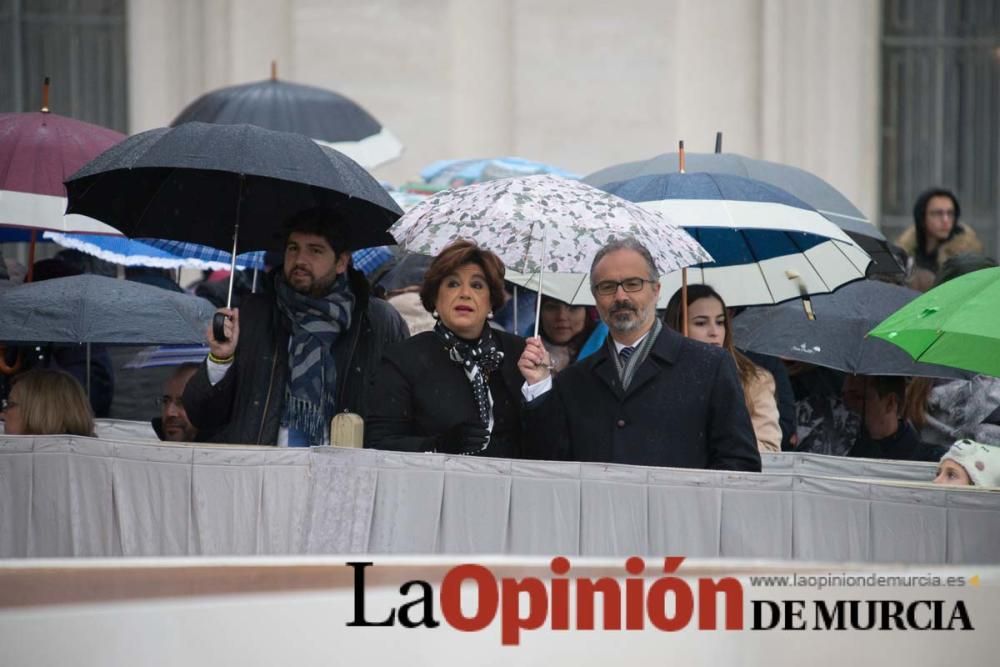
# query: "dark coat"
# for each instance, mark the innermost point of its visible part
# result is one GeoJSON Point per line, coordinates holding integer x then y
{"type": "Point", "coordinates": [684, 409]}
{"type": "Point", "coordinates": [420, 392]}
{"type": "Point", "coordinates": [903, 445]}
{"type": "Point", "coordinates": [246, 406]}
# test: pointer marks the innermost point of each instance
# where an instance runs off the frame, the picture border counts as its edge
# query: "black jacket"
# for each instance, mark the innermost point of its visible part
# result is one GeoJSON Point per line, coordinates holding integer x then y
{"type": "Point", "coordinates": [420, 392]}
{"type": "Point", "coordinates": [247, 404]}
{"type": "Point", "coordinates": [903, 445]}
{"type": "Point", "coordinates": [684, 409]}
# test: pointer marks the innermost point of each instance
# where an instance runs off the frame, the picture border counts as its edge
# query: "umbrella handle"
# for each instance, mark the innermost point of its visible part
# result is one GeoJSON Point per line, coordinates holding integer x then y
{"type": "Point", "coordinates": [219, 327]}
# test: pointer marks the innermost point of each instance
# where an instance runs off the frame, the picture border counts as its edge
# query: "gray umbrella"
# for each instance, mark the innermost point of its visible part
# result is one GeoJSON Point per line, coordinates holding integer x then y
{"type": "Point", "coordinates": [96, 309]}
{"type": "Point", "coordinates": [836, 338]}
{"type": "Point", "coordinates": [806, 186]}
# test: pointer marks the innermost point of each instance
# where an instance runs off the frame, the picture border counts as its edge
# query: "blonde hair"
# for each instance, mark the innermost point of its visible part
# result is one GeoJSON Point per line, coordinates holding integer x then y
{"type": "Point", "coordinates": [52, 402]}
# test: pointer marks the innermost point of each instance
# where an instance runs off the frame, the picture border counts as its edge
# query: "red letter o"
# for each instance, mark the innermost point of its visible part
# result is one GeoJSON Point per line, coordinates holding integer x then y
{"type": "Point", "coordinates": [451, 597]}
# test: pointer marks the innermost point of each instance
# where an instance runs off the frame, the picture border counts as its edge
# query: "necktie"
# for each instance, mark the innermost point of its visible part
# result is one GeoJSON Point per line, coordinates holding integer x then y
{"type": "Point", "coordinates": [625, 353]}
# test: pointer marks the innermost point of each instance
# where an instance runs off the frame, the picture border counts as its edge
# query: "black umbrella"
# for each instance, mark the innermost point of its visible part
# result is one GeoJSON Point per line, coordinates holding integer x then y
{"type": "Point", "coordinates": [291, 107]}
{"type": "Point", "coordinates": [836, 338]}
{"type": "Point", "coordinates": [228, 186]}
{"type": "Point", "coordinates": [408, 269]}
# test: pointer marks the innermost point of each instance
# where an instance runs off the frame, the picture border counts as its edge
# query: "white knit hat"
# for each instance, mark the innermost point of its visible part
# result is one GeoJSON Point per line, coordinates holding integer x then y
{"type": "Point", "coordinates": [982, 462]}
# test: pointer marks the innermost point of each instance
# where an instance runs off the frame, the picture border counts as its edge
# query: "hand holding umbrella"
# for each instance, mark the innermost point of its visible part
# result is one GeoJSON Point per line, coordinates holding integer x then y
{"type": "Point", "coordinates": [224, 334]}
{"type": "Point", "coordinates": [535, 363]}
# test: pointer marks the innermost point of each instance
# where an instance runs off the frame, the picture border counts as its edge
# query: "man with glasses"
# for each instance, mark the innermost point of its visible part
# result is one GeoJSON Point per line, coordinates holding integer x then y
{"type": "Point", "coordinates": [173, 423]}
{"type": "Point", "coordinates": [650, 396]}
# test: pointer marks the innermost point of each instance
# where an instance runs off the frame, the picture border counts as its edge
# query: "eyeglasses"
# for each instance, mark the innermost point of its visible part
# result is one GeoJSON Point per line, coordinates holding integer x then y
{"type": "Point", "coordinates": [942, 213]}
{"type": "Point", "coordinates": [609, 287]}
{"type": "Point", "coordinates": [6, 405]}
{"type": "Point", "coordinates": [167, 401]}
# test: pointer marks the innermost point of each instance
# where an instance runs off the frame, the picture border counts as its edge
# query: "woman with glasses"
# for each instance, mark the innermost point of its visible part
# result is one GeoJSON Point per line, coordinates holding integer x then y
{"type": "Point", "coordinates": [708, 322]}
{"type": "Point", "coordinates": [455, 389]}
{"type": "Point", "coordinates": [47, 402]}
{"type": "Point", "coordinates": [936, 235]}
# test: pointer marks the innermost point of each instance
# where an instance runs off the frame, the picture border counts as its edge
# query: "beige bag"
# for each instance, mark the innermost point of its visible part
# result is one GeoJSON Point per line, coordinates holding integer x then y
{"type": "Point", "coordinates": [347, 429]}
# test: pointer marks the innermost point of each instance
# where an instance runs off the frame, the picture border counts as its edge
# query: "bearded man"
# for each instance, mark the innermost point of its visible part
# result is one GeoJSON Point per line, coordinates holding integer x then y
{"type": "Point", "coordinates": [296, 355]}
{"type": "Point", "coordinates": [650, 396]}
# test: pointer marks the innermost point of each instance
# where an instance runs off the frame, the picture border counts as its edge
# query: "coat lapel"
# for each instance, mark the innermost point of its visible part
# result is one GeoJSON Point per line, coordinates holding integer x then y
{"type": "Point", "coordinates": [604, 368]}
{"type": "Point", "coordinates": [665, 349]}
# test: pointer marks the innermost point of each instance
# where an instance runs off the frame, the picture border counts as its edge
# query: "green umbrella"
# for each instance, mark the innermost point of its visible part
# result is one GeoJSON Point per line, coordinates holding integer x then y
{"type": "Point", "coordinates": [956, 324]}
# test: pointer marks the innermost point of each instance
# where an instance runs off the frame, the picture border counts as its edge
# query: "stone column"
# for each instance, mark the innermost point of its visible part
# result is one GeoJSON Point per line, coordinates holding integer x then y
{"type": "Point", "coordinates": [482, 108]}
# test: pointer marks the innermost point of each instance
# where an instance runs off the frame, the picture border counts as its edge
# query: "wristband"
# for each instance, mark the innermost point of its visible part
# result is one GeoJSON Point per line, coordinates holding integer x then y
{"type": "Point", "coordinates": [214, 359]}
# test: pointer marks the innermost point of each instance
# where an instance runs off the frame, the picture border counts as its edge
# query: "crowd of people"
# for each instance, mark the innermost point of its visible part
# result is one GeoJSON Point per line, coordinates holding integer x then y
{"type": "Point", "coordinates": [428, 366]}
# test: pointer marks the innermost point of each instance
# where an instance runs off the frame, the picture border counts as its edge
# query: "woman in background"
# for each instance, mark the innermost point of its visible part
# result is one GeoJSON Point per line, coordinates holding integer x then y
{"type": "Point", "coordinates": [47, 402]}
{"type": "Point", "coordinates": [708, 323]}
{"type": "Point", "coordinates": [564, 330]}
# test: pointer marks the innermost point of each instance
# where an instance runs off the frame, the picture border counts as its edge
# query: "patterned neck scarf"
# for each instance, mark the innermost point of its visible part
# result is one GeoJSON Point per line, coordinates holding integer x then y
{"type": "Point", "coordinates": [478, 359]}
{"type": "Point", "coordinates": [626, 367]}
{"type": "Point", "coordinates": [310, 397]}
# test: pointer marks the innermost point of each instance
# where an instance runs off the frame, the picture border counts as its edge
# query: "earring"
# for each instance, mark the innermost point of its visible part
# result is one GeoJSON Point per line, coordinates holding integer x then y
{"type": "Point", "coordinates": [435, 315]}
{"type": "Point", "coordinates": [489, 315]}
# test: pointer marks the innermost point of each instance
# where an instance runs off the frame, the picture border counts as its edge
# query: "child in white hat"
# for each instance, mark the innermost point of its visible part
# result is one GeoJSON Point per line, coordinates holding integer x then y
{"type": "Point", "coordinates": [970, 463]}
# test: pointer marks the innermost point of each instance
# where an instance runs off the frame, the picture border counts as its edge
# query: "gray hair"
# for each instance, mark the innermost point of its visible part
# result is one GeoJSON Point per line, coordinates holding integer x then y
{"type": "Point", "coordinates": [626, 243]}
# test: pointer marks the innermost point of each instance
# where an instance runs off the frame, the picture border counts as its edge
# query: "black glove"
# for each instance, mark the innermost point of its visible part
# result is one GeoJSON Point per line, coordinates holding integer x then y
{"type": "Point", "coordinates": [462, 438]}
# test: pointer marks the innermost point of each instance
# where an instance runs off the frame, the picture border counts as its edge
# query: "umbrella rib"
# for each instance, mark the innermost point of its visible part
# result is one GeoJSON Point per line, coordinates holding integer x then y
{"type": "Point", "coordinates": [810, 262]}
{"type": "Point", "coordinates": [746, 241]}
{"type": "Point", "coordinates": [149, 202]}
{"type": "Point", "coordinates": [528, 249]}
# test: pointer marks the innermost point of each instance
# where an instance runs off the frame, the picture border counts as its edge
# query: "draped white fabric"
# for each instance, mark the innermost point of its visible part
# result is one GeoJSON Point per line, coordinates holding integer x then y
{"type": "Point", "coordinates": [71, 496]}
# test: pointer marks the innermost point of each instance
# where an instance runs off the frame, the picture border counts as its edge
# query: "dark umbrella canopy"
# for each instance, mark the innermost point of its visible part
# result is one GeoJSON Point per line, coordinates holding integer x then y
{"type": "Point", "coordinates": [40, 150]}
{"type": "Point", "coordinates": [284, 107]}
{"type": "Point", "coordinates": [806, 186]}
{"type": "Point", "coordinates": [96, 309]}
{"type": "Point", "coordinates": [837, 337]}
{"type": "Point", "coordinates": [291, 107]}
{"type": "Point", "coordinates": [195, 181]}
{"type": "Point", "coordinates": [408, 270]}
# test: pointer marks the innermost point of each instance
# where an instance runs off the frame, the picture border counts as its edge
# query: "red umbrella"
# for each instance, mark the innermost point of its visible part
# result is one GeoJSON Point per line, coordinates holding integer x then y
{"type": "Point", "coordinates": [38, 151]}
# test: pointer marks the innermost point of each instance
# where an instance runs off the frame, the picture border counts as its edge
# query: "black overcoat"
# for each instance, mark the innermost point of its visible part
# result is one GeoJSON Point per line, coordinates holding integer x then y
{"type": "Point", "coordinates": [684, 408]}
{"type": "Point", "coordinates": [246, 406]}
{"type": "Point", "coordinates": [420, 392]}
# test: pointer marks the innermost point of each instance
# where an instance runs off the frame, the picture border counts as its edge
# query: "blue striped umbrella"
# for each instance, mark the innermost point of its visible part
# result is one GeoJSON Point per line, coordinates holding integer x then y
{"type": "Point", "coordinates": [368, 260]}
{"type": "Point", "coordinates": [767, 245]}
{"type": "Point", "coordinates": [168, 355]}
{"type": "Point", "coordinates": [158, 253]}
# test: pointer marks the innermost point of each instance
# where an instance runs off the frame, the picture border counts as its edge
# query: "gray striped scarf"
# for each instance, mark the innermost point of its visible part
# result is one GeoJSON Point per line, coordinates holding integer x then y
{"type": "Point", "coordinates": [310, 397]}
{"type": "Point", "coordinates": [626, 370]}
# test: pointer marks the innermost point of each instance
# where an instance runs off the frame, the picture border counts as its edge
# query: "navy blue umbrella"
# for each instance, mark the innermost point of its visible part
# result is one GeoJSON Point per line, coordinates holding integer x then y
{"type": "Point", "coordinates": [802, 184]}
{"type": "Point", "coordinates": [767, 245]}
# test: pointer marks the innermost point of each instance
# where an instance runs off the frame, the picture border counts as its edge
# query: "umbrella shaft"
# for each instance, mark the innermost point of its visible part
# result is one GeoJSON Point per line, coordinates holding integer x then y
{"type": "Point", "coordinates": [236, 236]}
{"type": "Point", "coordinates": [232, 264]}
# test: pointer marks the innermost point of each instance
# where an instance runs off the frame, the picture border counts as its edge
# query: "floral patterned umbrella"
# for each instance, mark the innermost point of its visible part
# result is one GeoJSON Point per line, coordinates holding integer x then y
{"type": "Point", "coordinates": [524, 219]}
